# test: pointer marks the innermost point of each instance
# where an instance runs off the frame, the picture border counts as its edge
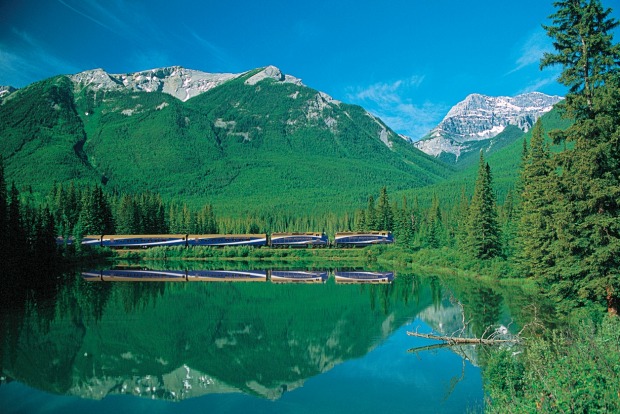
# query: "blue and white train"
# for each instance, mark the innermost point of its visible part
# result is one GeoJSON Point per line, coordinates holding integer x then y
{"type": "Point", "coordinates": [275, 240]}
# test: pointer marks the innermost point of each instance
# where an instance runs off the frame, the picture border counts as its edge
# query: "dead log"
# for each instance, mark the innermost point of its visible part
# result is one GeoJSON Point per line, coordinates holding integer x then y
{"type": "Point", "coordinates": [457, 340]}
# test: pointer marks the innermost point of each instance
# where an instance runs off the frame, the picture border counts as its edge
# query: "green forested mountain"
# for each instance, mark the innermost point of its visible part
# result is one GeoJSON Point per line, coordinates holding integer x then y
{"type": "Point", "coordinates": [241, 145]}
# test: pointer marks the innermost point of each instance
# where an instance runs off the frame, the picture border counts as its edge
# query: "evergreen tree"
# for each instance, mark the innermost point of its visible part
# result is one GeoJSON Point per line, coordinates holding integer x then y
{"type": "Point", "coordinates": [536, 224]}
{"type": "Point", "coordinates": [17, 245]}
{"type": "Point", "coordinates": [95, 213]}
{"type": "Point", "coordinates": [404, 231]}
{"type": "Point", "coordinates": [385, 218]}
{"type": "Point", "coordinates": [371, 214]}
{"type": "Point", "coordinates": [588, 216]}
{"type": "Point", "coordinates": [127, 216]}
{"type": "Point", "coordinates": [462, 212]}
{"type": "Point", "coordinates": [434, 225]}
{"type": "Point", "coordinates": [360, 221]}
{"type": "Point", "coordinates": [583, 42]}
{"type": "Point", "coordinates": [483, 235]}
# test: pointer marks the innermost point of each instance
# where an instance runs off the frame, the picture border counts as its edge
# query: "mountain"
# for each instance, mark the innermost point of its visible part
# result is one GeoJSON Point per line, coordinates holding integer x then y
{"type": "Point", "coordinates": [255, 141]}
{"type": "Point", "coordinates": [504, 160]}
{"type": "Point", "coordinates": [477, 122]}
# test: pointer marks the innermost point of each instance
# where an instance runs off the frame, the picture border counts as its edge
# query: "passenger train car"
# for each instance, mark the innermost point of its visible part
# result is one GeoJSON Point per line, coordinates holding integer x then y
{"type": "Point", "coordinates": [141, 240]}
{"type": "Point", "coordinates": [227, 275]}
{"type": "Point", "coordinates": [359, 276]}
{"type": "Point", "coordinates": [298, 276]}
{"type": "Point", "coordinates": [288, 240]}
{"type": "Point", "coordinates": [219, 240]}
{"type": "Point", "coordinates": [355, 239]}
{"type": "Point", "coordinates": [135, 275]}
{"type": "Point", "coordinates": [298, 240]}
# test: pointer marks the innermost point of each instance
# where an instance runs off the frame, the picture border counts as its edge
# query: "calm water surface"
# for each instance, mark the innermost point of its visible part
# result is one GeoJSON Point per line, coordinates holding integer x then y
{"type": "Point", "coordinates": [261, 347]}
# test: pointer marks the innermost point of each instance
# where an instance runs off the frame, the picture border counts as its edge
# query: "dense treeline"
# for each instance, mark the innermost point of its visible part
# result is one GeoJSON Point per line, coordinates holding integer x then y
{"type": "Point", "coordinates": [580, 234]}
{"type": "Point", "coordinates": [27, 235]}
{"type": "Point", "coordinates": [476, 225]}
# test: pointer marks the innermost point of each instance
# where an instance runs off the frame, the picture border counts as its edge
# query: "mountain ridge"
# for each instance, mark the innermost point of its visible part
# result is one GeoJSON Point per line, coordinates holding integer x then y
{"type": "Point", "coordinates": [177, 81]}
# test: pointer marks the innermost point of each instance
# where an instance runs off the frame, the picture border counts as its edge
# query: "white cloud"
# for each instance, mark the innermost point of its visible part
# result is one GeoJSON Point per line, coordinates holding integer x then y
{"type": "Point", "coordinates": [390, 102]}
{"type": "Point", "coordinates": [121, 17]}
{"type": "Point", "coordinates": [532, 50]}
{"type": "Point", "coordinates": [540, 83]}
{"type": "Point", "coordinates": [105, 18]}
{"type": "Point", "coordinates": [216, 52]}
{"type": "Point", "coordinates": [27, 60]}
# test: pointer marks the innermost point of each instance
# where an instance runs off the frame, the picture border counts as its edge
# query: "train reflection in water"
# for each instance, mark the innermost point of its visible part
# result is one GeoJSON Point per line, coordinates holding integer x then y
{"type": "Point", "coordinates": [275, 276]}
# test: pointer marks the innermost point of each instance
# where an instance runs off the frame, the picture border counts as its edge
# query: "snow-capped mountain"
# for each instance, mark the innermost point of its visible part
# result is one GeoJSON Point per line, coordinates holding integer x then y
{"type": "Point", "coordinates": [481, 117]}
{"type": "Point", "coordinates": [174, 80]}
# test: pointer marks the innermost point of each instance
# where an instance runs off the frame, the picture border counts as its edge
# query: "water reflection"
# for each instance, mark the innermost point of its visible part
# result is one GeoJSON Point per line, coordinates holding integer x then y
{"type": "Point", "coordinates": [128, 274]}
{"type": "Point", "coordinates": [177, 341]}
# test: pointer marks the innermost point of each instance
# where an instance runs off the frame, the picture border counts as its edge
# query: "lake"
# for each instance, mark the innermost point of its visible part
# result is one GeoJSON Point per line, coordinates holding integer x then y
{"type": "Point", "coordinates": [86, 344]}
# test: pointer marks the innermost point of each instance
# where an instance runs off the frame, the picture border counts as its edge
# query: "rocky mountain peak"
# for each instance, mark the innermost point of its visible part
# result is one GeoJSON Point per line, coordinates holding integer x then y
{"type": "Point", "coordinates": [177, 81]}
{"type": "Point", "coordinates": [272, 72]}
{"type": "Point", "coordinates": [480, 117]}
{"type": "Point", "coordinates": [6, 91]}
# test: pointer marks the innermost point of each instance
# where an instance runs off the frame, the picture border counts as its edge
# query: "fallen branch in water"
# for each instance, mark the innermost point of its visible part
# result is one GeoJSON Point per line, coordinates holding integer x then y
{"type": "Point", "coordinates": [429, 348]}
{"type": "Point", "coordinates": [457, 340]}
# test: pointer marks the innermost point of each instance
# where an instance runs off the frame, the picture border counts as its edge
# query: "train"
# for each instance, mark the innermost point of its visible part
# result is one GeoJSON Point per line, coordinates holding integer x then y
{"type": "Point", "coordinates": [274, 240]}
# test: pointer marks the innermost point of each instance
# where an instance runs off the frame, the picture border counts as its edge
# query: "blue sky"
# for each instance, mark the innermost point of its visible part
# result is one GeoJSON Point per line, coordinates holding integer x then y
{"type": "Point", "coordinates": [407, 61]}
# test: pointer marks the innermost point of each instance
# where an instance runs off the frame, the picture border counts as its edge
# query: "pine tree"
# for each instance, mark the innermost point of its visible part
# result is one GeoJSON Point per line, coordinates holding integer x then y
{"type": "Point", "coordinates": [462, 212]}
{"type": "Point", "coordinates": [360, 221]}
{"type": "Point", "coordinates": [588, 216]}
{"type": "Point", "coordinates": [385, 218]}
{"type": "Point", "coordinates": [583, 41]}
{"type": "Point", "coordinates": [371, 214]}
{"type": "Point", "coordinates": [537, 223]}
{"type": "Point", "coordinates": [16, 235]}
{"type": "Point", "coordinates": [434, 225]}
{"type": "Point", "coordinates": [483, 235]}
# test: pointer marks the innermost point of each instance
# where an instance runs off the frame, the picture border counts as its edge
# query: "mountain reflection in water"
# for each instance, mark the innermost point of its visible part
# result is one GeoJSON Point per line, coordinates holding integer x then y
{"type": "Point", "coordinates": [174, 341]}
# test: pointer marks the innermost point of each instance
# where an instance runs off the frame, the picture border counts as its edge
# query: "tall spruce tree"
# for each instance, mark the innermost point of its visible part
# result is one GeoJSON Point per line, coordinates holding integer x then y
{"type": "Point", "coordinates": [385, 217]}
{"type": "Point", "coordinates": [587, 248]}
{"type": "Point", "coordinates": [538, 196]}
{"type": "Point", "coordinates": [434, 225]}
{"type": "Point", "coordinates": [371, 214]}
{"type": "Point", "coordinates": [483, 234]}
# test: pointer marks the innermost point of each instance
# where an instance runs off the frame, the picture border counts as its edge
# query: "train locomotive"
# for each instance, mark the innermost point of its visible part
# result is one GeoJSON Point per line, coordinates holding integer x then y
{"type": "Point", "coordinates": [275, 240]}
